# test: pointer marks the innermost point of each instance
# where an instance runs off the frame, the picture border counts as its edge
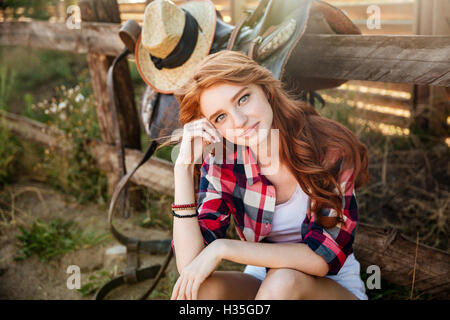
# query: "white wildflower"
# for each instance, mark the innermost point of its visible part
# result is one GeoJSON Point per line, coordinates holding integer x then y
{"type": "Point", "coordinates": [62, 105]}
{"type": "Point", "coordinates": [79, 98]}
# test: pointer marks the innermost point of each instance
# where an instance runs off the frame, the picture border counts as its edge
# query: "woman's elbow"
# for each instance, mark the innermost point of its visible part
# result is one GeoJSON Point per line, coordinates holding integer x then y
{"type": "Point", "coordinates": [322, 267]}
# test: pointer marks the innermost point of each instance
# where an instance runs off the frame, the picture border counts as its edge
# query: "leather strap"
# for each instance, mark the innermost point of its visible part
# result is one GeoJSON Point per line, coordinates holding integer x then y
{"type": "Point", "coordinates": [235, 33]}
{"type": "Point", "coordinates": [141, 275]}
{"type": "Point", "coordinates": [150, 246]}
{"type": "Point", "coordinates": [132, 274]}
{"type": "Point", "coordinates": [130, 32]}
{"type": "Point", "coordinates": [124, 204]}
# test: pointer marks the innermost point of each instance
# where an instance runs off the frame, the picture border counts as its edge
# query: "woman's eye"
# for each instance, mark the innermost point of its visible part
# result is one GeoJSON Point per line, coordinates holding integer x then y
{"type": "Point", "coordinates": [244, 98]}
{"type": "Point", "coordinates": [219, 117]}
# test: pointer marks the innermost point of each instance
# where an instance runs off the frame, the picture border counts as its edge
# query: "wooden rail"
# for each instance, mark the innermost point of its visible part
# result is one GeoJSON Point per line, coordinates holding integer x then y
{"type": "Point", "coordinates": [93, 37]}
{"type": "Point", "coordinates": [155, 174]}
{"type": "Point", "coordinates": [404, 59]}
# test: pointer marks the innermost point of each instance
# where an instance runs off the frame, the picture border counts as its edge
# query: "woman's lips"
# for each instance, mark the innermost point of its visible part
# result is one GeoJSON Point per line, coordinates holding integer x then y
{"type": "Point", "coordinates": [254, 127]}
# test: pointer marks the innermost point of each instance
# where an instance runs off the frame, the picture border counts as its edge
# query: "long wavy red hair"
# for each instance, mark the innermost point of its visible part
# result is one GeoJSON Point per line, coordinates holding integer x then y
{"type": "Point", "coordinates": [305, 136]}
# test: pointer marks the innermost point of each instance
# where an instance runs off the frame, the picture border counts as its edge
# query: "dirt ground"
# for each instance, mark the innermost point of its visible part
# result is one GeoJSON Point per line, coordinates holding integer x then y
{"type": "Point", "coordinates": [33, 279]}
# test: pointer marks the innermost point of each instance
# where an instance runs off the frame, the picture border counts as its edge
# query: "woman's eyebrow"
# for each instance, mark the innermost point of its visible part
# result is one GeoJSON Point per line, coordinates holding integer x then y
{"type": "Point", "coordinates": [233, 98]}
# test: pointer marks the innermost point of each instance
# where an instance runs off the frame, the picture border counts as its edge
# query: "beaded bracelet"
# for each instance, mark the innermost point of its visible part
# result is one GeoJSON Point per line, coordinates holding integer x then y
{"type": "Point", "coordinates": [184, 206]}
{"type": "Point", "coordinates": [185, 216]}
{"type": "Point", "coordinates": [181, 209]}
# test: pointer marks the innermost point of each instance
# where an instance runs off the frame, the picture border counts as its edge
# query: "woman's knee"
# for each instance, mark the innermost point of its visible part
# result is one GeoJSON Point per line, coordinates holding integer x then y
{"type": "Point", "coordinates": [284, 284]}
{"type": "Point", "coordinates": [213, 288]}
{"type": "Point", "coordinates": [226, 285]}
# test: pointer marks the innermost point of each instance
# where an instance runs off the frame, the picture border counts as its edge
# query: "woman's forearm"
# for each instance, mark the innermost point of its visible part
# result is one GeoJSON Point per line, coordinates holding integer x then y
{"type": "Point", "coordinates": [296, 256]}
{"type": "Point", "coordinates": [187, 237]}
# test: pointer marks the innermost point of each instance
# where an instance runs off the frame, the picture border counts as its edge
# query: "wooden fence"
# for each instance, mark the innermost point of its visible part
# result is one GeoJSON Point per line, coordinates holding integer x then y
{"type": "Point", "coordinates": [368, 61]}
{"type": "Point", "coordinates": [388, 107]}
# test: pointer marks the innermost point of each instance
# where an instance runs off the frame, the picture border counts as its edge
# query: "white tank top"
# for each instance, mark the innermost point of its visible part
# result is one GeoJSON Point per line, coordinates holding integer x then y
{"type": "Point", "coordinates": [286, 224]}
{"type": "Point", "coordinates": [288, 218]}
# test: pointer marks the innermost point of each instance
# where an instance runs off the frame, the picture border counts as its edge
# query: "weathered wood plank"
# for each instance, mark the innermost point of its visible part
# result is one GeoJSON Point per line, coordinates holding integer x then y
{"type": "Point", "coordinates": [410, 59]}
{"type": "Point", "coordinates": [382, 85]}
{"type": "Point", "coordinates": [119, 125]}
{"type": "Point", "coordinates": [430, 103]}
{"type": "Point", "coordinates": [401, 59]}
{"type": "Point", "coordinates": [389, 11]}
{"type": "Point", "coordinates": [370, 98]}
{"type": "Point", "coordinates": [155, 174]}
{"type": "Point", "coordinates": [394, 254]}
{"type": "Point", "coordinates": [92, 37]}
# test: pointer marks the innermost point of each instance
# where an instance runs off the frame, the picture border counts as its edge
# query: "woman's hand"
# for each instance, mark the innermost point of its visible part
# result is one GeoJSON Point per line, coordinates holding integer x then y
{"type": "Point", "coordinates": [193, 275]}
{"type": "Point", "coordinates": [196, 135]}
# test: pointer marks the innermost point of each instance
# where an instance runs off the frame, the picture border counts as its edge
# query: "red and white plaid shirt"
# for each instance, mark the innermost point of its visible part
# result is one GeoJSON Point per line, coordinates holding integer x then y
{"type": "Point", "coordinates": [238, 189]}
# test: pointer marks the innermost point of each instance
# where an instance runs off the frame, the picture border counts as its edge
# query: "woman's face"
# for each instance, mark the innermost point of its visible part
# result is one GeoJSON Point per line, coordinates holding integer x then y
{"type": "Point", "coordinates": [241, 113]}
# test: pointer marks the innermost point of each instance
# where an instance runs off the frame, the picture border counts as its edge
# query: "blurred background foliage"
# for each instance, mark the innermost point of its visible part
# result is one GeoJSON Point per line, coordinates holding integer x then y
{"type": "Point", "coordinates": [34, 9]}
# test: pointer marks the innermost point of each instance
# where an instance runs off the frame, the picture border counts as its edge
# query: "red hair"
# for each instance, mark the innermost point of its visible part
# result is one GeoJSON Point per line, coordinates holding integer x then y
{"type": "Point", "coordinates": [306, 138]}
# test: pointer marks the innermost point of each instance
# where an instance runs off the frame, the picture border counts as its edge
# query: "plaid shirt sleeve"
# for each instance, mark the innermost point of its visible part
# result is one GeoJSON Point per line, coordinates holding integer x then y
{"type": "Point", "coordinates": [335, 244]}
{"type": "Point", "coordinates": [212, 207]}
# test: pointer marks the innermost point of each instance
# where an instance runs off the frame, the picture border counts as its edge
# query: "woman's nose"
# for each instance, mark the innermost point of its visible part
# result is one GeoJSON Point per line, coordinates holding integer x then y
{"type": "Point", "coordinates": [239, 118]}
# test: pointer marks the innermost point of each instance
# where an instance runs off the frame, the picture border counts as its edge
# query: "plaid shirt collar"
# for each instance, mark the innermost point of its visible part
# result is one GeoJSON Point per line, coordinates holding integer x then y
{"type": "Point", "coordinates": [251, 167]}
{"type": "Point", "coordinates": [245, 156]}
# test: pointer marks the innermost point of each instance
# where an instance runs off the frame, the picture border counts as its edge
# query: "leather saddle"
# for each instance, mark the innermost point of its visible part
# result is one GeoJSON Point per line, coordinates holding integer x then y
{"type": "Point", "coordinates": [271, 35]}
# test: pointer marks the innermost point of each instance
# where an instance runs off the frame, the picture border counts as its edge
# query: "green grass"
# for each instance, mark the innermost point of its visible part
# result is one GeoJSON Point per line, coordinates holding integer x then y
{"type": "Point", "coordinates": [392, 291]}
{"type": "Point", "coordinates": [37, 72]}
{"type": "Point", "coordinates": [73, 112]}
{"type": "Point", "coordinates": [96, 281]}
{"type": "Point", "coordinates": [50, 239]}
{"type": "Point", "coordinates": [9, 150]}
{"type": "Point", "coordinates": [156, 210]}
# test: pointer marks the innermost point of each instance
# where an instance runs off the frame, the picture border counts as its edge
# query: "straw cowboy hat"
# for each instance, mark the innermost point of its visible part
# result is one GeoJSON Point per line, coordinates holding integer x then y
{"type": "Point", "coordinates": [173, 41]}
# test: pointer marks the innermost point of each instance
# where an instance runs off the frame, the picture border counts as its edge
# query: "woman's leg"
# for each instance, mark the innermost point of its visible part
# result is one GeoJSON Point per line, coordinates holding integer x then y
{"type": "Point", "coordinates": [229, 285]}
{"type": "Point", "coordinates": [290, 284]}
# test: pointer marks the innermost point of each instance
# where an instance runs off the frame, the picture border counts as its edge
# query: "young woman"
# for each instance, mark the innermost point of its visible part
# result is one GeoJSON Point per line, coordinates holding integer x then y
{"type": "Point", "coordinates": [291, 197]}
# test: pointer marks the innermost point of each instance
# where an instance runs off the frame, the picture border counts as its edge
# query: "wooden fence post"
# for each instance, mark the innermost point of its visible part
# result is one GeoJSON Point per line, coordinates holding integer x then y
{"type": "Point", "coordinates": [108, 11]}
{"type": "Point", "coordinates": [430, 107]}
{"type": "Point", "coordinates": [237, 11]}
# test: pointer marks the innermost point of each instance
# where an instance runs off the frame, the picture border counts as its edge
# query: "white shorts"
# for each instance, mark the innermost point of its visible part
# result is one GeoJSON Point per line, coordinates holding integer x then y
{"type": "Point", "coordinates": [348, 277]}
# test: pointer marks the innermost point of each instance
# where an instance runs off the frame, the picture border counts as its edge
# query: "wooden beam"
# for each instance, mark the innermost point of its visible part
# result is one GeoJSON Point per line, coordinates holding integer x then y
{"type": "Point", "coordinates": [155, 174]}
{"type": "Point", "coordinates": [124, 115]}
{"type": "Point", "coordinates": [395, 253]}
{"type": "Point", "coordinates": [370, 98]}
{"type": "Point", "coordinates": [92, 37]}
{"type": "Point", "coordinates": [391, 251]}
{"type": "Point", "coordinates": [389, 11]}
{"type": "Point", "coordinates": [400, 59]}
{"type": "Point", "coordinates": [430, 107]}
{"type": "Point", "coordinates": [407, 59]}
